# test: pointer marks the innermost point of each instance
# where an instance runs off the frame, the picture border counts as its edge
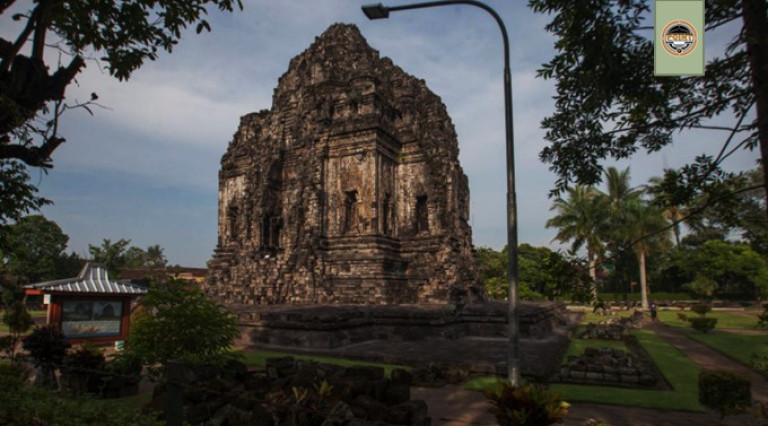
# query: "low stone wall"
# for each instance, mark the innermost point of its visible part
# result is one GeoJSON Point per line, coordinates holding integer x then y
{"type": "Point", "coordinates": [328, 327]}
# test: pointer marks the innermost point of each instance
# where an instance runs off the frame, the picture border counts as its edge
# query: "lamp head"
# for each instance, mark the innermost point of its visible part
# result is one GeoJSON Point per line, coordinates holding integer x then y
{"type": "Point", "coordinates": [376, 11]}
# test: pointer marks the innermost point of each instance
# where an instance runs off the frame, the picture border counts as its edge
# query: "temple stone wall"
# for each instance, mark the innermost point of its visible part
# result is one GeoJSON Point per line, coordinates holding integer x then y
{"type": "Point", "coordinates": [348, 190]}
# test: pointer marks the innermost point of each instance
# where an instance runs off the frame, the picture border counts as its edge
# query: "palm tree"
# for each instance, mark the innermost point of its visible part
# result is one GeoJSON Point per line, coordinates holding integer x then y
{"type": "Point", "coordinates": [671, 211]}
{"type": "Point", "coordinates": [619, 190]}
{"type": "Point", "coordinates": [581, 219]}
{"type": "Point", "coordinates": [155, 258]}
{"type": "Point", "coordinates": [641, 227]}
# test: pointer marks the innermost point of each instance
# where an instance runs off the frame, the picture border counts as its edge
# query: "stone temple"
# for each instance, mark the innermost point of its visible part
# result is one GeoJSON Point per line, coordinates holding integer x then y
{"type": "Point", "coordinates": [347, 191]}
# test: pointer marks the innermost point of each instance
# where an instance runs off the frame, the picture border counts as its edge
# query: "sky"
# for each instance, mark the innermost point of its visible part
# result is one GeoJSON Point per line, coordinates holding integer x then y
{"type": "Point", "coordinates": [145, 167]}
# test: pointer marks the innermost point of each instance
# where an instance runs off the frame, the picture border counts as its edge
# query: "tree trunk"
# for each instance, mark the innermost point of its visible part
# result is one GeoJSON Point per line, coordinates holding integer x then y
{"type": "Point", "coordinates": [593, 275]}
{"type": "Point", "coordinates": [643, 283]}
{"type": "Point", "coordinates": [756, 32]}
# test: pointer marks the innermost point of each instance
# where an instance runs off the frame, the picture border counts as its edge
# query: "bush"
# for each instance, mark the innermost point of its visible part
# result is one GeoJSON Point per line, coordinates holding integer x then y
{"type": "Point", "coordinates": [762, 319]}
{"type": "Point", "coordinates": [82, 370]}
{"type": "Point", "coordinates": [703, 324]}
{"type": "Point", "coordinates": [19, 321]}
{"type": "Point", "coordinates": [178, 321]}
{"type": "Point", "coordinates": [701, 308]}
{"type": "Point", "coordinates": [47, 348]}
{"type": "Point", "coordinates": [725, 392]}
{"type": "Point", "coordinates": [34, 406]}
{"type": "Point", "coordinates": [527, 405]}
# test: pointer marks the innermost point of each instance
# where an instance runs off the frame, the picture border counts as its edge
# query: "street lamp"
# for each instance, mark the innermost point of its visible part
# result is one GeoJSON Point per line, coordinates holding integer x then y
{"type": "Point", "coordinates": [379, 11]}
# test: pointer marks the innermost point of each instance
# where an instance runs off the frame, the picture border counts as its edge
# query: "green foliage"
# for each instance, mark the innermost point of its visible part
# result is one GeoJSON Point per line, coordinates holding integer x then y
{"type": "Point", "coordinates": [526, 405]}
{"type": "Point", "coordinates": [542, 273]}
{"type": "Point", "coordinates": [762, 320]}
{"type": "Point", "coordinates": [178, 321]}
{"type": "Point", "coordinates": [19, 321]}
{"type": "Point", "coordinates": [735, 268]}
{"type": "Point", "coordinates": [609, 104]}
{"type": "Point", "coordinates": [17, 196]}
{"type": "Point", "coordinates": [725, 392]}
{"type": "Point", "coordinates": [17, 318]}
{"type": "Point", "coordinates": [120, 255]}
{"type": "Point", "coordinates": [703, 324]}
{"type": "Point", "coordinates": [82, 370]}
{"type": "Point", "coordinates": [124, 34]}
{"type": "Point", "coordinates": [35, 250]}
{"type": "Point", "coordinates": [34, 406]}
{"type": "Point", "coordinates": [46, 346]}
{"type": "Point", "coordinates": [702, 308]}
{"type": "Point", "coordinates": [581, 219]}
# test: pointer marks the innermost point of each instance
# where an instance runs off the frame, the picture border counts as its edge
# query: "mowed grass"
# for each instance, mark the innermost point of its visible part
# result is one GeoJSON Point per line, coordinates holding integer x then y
{"type": "Point", "coordinates": [739, 347]}
{"type": "Point", "coordinates": [725, 319]}
{"type": "Point", "coordinates": [679, 371]}
{"type": "Point", "coordinates": [259, 359]}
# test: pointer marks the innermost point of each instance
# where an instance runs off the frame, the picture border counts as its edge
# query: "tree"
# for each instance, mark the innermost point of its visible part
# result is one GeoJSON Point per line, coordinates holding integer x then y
{"type": "Point", "coordinates": [155, 258]}
{"type": "Point", "coordinates": [17, 196]}
{"type": "Point", "coordinates": [609, 104]}
{"type": "Point", "coordinates": [32, 99]}
{"type": "Point", "coordinates": [179, 321]}
{"type": "Point", "coordinates": [112, 255]}
{"type": "Point", "coordinates": [125, 33]}
{"type": "Point", "coordinates": [34, 250]}
{"type": "Point", "coordinates": [582, 219]}
{"type": "Point", "coordinates": [722, 269]}
{"type": "Point", "coordinates": [641, 227]}
{"type": "Point", "coordinates": [674, 212]}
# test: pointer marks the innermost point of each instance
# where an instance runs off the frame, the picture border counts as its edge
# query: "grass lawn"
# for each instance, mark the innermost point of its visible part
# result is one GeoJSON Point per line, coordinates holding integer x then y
{"type": "Point", "coordinates": [679, 371]}
{"type": "Point", "coordinates": [259, 359]}
{"type": "Point", "coordinates": [724, 319]}
{"type": "Point", "coordinates": [739, 347]}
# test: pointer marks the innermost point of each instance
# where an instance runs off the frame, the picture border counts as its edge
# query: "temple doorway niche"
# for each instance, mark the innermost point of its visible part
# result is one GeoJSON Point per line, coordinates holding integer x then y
{"type": "Point", "coordinates": [349, 216]}
{"type": "Point", "coordinates": [386, 216]}
{"type": "Point", "coordinates": [422, 215]}
{"type": "Point", "coordinates": [270, 232]}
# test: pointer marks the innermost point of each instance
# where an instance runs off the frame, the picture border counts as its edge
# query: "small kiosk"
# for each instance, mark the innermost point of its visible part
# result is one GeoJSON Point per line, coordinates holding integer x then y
{"type": "Point", "coordinates": [89, 307]}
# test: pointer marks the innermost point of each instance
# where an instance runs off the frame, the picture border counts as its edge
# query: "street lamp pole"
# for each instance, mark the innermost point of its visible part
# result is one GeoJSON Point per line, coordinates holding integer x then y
{"type": "Point", "coordinates": [379, 11]}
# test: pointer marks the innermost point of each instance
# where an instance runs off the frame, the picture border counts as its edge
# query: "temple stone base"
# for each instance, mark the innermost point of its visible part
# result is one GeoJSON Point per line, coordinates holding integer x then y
{"type": "Point", "coordinates": [473, 336]}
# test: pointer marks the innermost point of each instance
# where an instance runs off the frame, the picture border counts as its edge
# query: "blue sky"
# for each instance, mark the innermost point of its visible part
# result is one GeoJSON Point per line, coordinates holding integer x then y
{"type": "Point", "coordinates": [145, 168]}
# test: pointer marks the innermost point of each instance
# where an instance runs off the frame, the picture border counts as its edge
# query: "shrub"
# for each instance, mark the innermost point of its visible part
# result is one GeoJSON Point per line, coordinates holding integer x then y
{"type": "Point", "coordinates": [28, 405]}
{"type": "Point", "coordinates": [83, 369]}
{"type": "Point", "coordinates": [19, 321]}
{"type": "Point", "coordinates": [178, 321]}
{"type": "Point", "coordinates": [701, 308]}
{"type": "Point", "coordinates": [725, 392]}
{"type": "Point", "coordinates": [682, 317]}
{"type": "Point", "coordinates": [703, 324]}
{"type": "Point", "coordinates": [762, 319]}
{"type": "Point", "coordinates": [46, 347]}
{"type": "Point", "coordinates": [527, 405]}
